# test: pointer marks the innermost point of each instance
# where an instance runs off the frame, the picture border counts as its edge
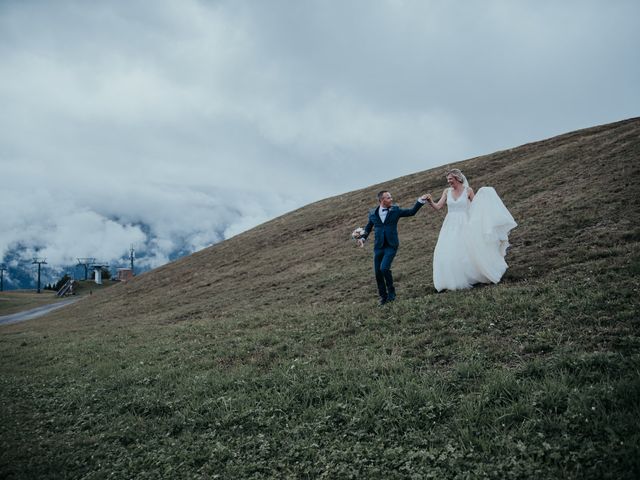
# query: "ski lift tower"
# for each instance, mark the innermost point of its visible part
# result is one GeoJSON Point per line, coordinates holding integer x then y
{"type": "Point", "coordinates": [132, 256]}
{"type": "Point", "coordinates": [39, 262]}
{"type": "Point", "coordinates": [2, 270]}
{"type": "Point", "coordinates": [86, 263]}
{"type": "Point", "coordinates": [97, 268]}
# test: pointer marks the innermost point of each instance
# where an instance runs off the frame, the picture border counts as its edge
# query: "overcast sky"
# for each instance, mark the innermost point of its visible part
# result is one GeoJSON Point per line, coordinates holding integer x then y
{"type": "Point", "coordinates": [174, 124]}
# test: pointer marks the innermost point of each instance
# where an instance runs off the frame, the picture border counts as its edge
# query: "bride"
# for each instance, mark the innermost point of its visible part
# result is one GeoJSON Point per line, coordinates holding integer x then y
{"type": "Point", "coordinates": [474, 235]}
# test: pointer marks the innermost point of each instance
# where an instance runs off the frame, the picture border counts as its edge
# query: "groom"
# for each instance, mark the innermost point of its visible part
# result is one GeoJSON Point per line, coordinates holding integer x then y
{"type": "Point", "coordinates": [384, 218]}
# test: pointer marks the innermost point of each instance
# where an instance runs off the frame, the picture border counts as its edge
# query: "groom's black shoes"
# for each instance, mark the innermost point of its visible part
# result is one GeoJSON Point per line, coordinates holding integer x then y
{"type": "Point", "coordinates": [384, 300]}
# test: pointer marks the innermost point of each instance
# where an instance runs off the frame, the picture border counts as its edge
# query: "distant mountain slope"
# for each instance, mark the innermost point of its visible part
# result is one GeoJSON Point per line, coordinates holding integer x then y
{"type": "Point", "coordinates": [574, 196]}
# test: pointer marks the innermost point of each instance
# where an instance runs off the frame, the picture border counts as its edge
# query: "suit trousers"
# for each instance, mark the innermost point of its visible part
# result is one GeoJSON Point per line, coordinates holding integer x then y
{"type": "Point", "coordinates": [382, 259]}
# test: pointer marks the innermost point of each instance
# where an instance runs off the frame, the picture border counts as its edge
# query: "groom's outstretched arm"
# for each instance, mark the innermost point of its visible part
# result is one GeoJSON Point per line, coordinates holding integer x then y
{"type": "Point", "coordinates": [409, 212]}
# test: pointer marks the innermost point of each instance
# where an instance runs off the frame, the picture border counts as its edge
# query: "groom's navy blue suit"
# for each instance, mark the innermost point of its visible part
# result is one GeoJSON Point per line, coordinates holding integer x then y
{"type": "Point", "coordinates": [385, 245]}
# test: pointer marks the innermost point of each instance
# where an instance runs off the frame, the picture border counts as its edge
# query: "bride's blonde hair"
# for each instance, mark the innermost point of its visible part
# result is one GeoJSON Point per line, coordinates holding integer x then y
{"type": "Point", "coordinates": [458, 175]}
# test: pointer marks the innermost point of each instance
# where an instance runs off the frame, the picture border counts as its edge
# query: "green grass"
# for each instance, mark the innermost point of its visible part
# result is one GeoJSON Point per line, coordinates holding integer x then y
{"type": "Point", "coordinates": [513, 381]}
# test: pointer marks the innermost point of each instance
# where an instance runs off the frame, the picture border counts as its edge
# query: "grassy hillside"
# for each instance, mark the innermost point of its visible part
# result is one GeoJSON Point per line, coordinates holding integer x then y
{"type": "Point", "coordinates": [265, 356]}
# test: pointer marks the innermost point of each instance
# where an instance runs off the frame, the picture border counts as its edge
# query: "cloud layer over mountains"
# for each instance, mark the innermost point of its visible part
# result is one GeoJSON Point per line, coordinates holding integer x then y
{"type": "Point", "coordinates": [175, 124]}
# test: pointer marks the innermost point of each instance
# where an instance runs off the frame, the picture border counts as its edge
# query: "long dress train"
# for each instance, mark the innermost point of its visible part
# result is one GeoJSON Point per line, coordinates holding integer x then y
{"type": "Point", "coordinates": [473, 241]}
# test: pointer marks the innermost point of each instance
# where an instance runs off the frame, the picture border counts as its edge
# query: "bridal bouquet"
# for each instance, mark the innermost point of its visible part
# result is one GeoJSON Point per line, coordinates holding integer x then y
{"type": "Point", "coordinates": [357, 233]}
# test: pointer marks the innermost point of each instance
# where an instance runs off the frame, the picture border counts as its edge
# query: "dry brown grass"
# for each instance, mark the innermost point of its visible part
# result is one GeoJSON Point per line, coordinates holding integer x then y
{"type": "Point", "coordinates": [571, 195]}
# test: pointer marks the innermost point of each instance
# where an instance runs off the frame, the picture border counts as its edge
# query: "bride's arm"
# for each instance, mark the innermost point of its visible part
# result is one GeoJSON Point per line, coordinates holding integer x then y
{"type": "Point", "coordinates": [441, 202]}
{"type": "Point", "coordinates": [471, 194]}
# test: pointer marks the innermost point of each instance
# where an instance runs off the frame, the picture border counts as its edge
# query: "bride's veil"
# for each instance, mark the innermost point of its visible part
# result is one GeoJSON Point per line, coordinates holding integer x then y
{"type": "Point", "coordinates": [465, 182]}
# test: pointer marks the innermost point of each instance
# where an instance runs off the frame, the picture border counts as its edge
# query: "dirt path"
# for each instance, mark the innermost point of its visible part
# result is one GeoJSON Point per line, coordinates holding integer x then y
{"type": "Point", "coordinates": [34, 312]}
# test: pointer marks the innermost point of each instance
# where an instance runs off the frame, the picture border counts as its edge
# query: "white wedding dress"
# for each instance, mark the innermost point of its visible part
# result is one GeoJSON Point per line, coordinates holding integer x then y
{"type": "Point", "coordinates": [473, 241]}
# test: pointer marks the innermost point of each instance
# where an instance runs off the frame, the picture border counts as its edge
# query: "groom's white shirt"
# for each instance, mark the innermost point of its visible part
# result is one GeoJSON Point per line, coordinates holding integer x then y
{"type": "Point", "coordinates": [383, 214]}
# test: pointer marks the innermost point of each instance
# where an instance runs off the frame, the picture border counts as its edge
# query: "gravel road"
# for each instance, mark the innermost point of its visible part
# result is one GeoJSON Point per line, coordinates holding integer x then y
{"type": "Point", "coordinates": [35, 312]}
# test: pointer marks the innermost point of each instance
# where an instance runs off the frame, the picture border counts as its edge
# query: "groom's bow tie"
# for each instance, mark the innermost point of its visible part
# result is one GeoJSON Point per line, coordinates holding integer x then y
{"type": "Point", "coordinates": [385, 209]}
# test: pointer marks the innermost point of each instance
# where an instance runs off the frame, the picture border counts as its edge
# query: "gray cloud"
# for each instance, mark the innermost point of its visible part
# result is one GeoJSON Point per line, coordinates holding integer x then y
{"type": "Point", "coordinates": [174, 125]}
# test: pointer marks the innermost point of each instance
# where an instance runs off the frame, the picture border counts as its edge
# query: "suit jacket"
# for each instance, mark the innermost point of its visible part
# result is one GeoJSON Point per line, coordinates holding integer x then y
{"type": "Point", "coordinates": [386, 234]}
